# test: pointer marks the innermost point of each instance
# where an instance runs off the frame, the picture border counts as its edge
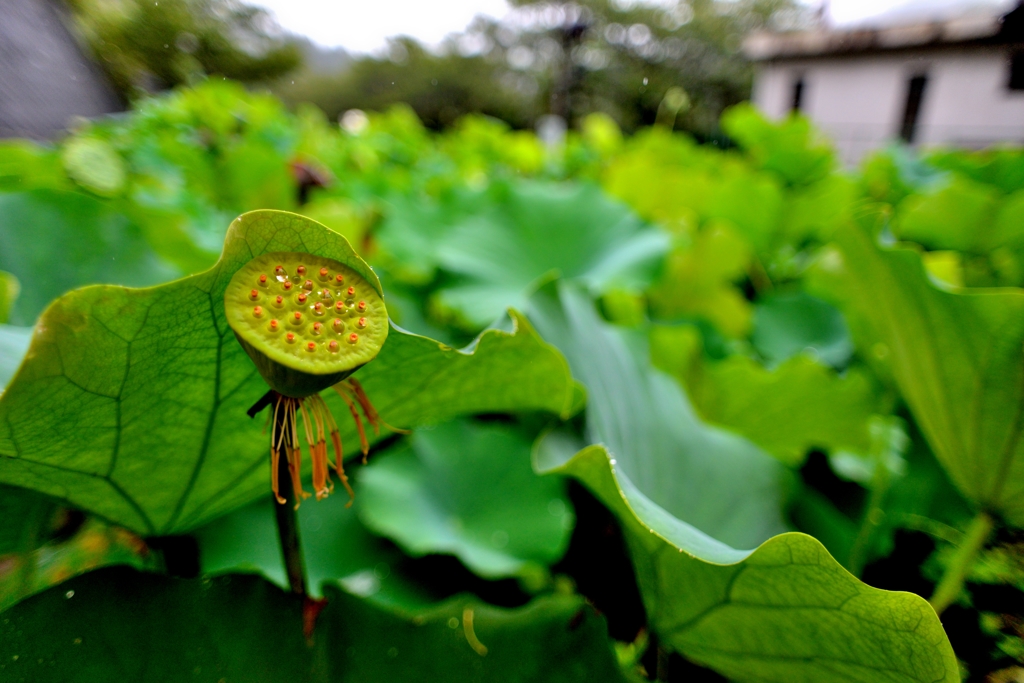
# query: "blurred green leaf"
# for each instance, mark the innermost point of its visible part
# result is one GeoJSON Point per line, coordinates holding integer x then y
{"type": "Point", "coordinates": [468, 489]}
{"type": "Point", "coordinates": [956, 215]}
{"type": "Point", "coordinates": [529, 231]}
{"type": "Point", "coordinates": [94, 165]}
{"type": "Point", "coordinates": [792, 148]}
{"type": "Point", "coordinates": [751, 202]}
{"type": "Point", "coordinates": [134, 626]}
{"type": "Point", "coordinates": [957, 359]}
{"type": "Point", "coordinates": [815, 211]}
{"type": "Point", "coordinates": [25, 514]}
{"type": "Point", "coordinates": [798, 406]}
{"type": "Point", "coordinates": [697, 281]}
{"type": "Point", "coordinates": [10, 288]}
{"type": "Point", "coordinates": [664, 178]}
{"type": "Point", "coordinates": [26, 165]}
{"type": "Point", "coordinates": [716, 481]}
{"type": "Point", "coordinates": [1001, 167]}
{"type": "Point", "coordinates": [788, 324]}
{"type": "Point", "coordinates": [131, 403]}
{"type": "Point", "coordinates": [43, 558]}
{"type": "Point", "coordinates": [54, 241]}
{"type": "Point", "coordinates": [1009, 222]}
{"type": "Point", "coordinates": [784, 612]}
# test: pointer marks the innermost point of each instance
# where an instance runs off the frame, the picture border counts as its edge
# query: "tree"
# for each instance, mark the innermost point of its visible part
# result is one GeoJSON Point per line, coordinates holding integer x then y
{"type": "Point", "coordinates": [146, 46]}
{"type": "Point", "coordinates": [620, 57]}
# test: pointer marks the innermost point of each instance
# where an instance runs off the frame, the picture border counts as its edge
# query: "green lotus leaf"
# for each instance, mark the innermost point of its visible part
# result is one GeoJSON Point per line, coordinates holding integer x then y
{"type": "Point", "coordinates": [717, 481]}
{"type": "Point", "coordinates": [468, 489]}
{"type": "Point", "coordinates": [131, 403]}
{"type": "Point", "coordinates": [790, 410]}
{"type": "Point", "coordinates": [121, 624]}
{"type": "Point", "coordinates": [784, 612]}
{"type": "Point", "coordinates": [55, 240]}
{"type": "Point", "coordinates": [95, 165]}
{"type": "Point", "coordinates": [498, 250]}
{"type": "Point", "coordinates": [956, 356]}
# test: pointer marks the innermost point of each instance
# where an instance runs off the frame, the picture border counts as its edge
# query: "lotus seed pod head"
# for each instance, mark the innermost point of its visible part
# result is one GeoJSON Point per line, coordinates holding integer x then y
{"type": "Point", "coordinates": [296, 353]}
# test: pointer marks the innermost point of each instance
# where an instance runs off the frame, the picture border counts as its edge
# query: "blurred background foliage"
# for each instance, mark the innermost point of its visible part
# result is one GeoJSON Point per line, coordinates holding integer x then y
{"type": "Point", "coordinates": [678, 64]}
{"type": "Point", "coordinates": [713, 273]}
{"type": "Point", "coordinates": [149, 46]}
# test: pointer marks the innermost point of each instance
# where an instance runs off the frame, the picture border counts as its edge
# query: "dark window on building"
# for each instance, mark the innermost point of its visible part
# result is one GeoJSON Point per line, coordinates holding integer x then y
{"type": "Point", "coordinates": [798, 95]}
{"type": "Point", "coordinates": [915, 94]}
{"type": "Point", "coordinates": [1016, 81]}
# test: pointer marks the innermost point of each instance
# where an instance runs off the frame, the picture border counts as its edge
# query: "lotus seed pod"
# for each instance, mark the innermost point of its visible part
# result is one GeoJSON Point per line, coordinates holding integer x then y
{"type": "Point", "coordinates": [296, 353]}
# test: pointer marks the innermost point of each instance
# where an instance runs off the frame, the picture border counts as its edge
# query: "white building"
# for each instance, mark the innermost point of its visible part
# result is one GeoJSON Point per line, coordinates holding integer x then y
{"type": "Point", "coordinates": [955, 81]}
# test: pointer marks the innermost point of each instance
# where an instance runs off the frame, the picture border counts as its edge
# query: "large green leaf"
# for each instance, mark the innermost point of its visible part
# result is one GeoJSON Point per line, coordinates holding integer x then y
{"type": "Point", "coordinates": [527, 231]}
{"type": "Point", "coordinates": [119, 624]}
{"type": "Point", "coordinates": [54, 240]}
{"type": "Point", "coordinates": [131, 403]}
{"type": "Point", "coordinates": [468, 489]}
{"type": "Point", "coordinates": [790, 410]}
{"type": "Point", "coordinates": [784, 612]}
{"type": "Point", "coordinates": [958, 362]}
{"type": "Point", "coordinates": [715, 480]}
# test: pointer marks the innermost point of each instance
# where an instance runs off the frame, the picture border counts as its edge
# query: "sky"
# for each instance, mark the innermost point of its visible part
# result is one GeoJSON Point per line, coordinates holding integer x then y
{"type": "Point", "coordinates": [364, 26]}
